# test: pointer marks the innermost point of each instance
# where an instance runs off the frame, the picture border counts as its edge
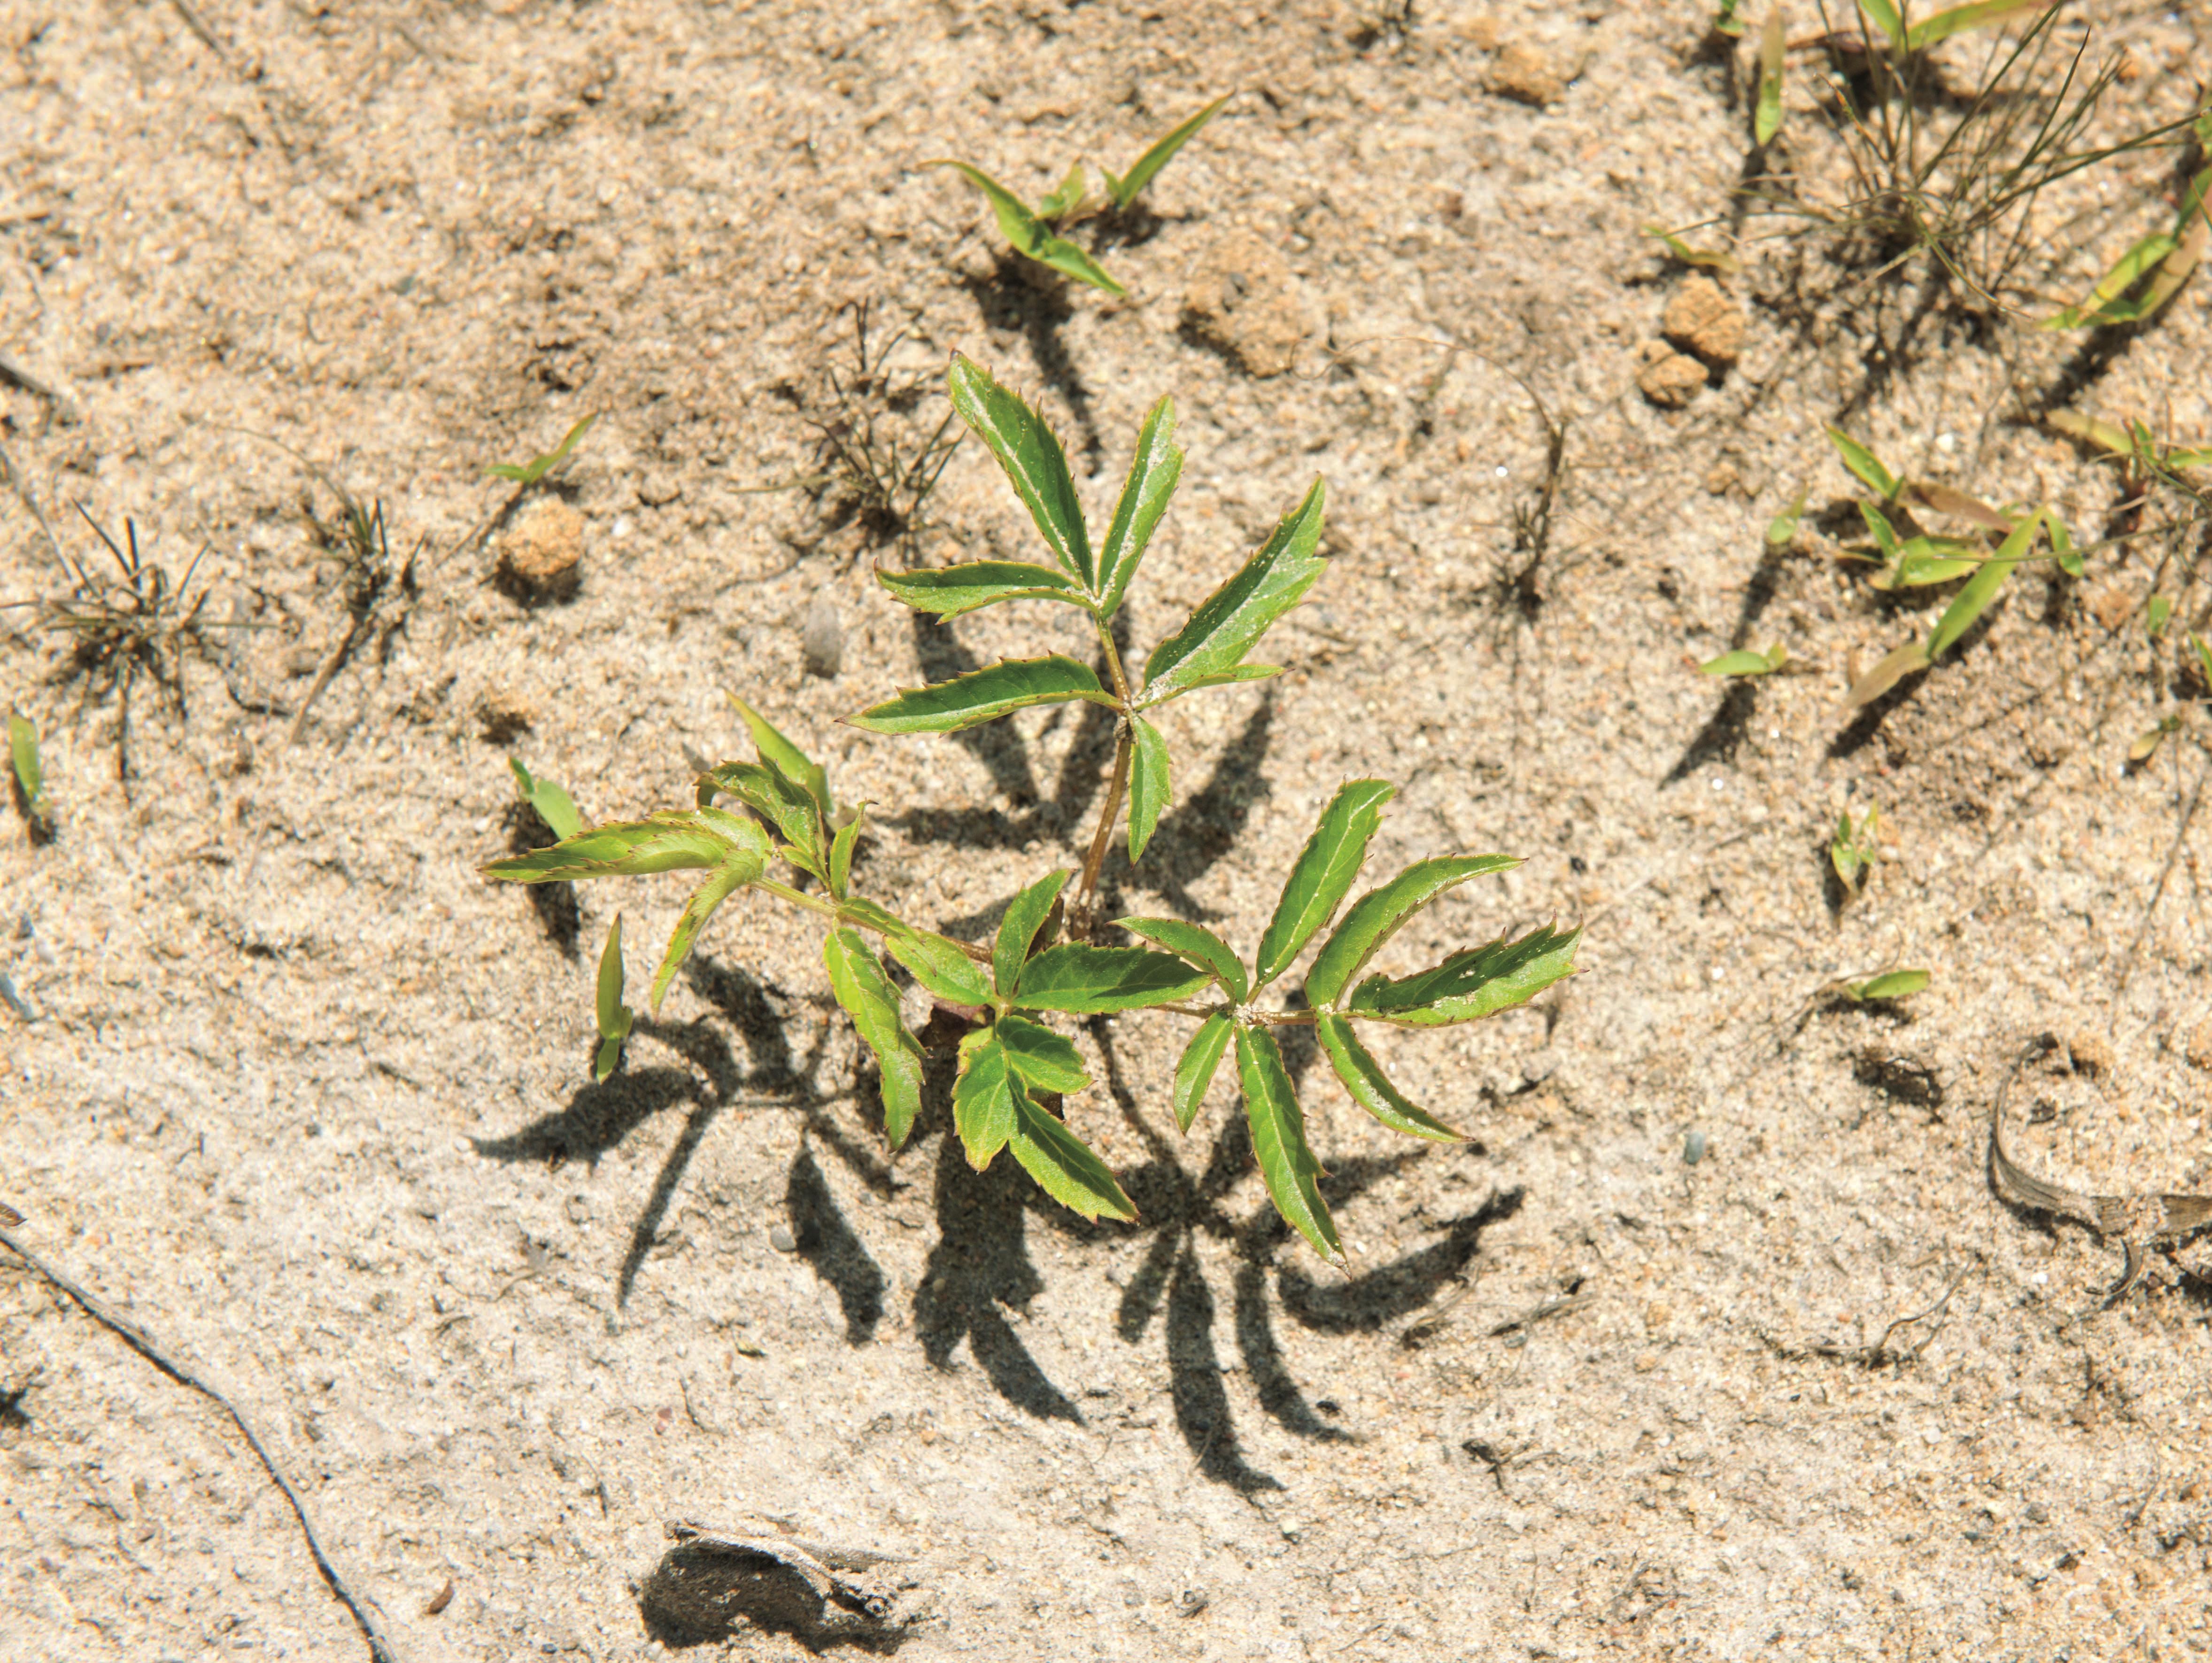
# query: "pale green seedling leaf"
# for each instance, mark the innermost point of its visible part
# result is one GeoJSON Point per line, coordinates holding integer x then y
{"type": "Point", "coordinates": [2146, 745]}
{"type": "Point", "coordinates": [1712, 258]}
{"type": "Point", "coordinates": [1064, 1167]}
{"type": "Point", "coordinates": [1900, 662]}
{"type": "Point", "coordinates": [2062, 544]}
{"type": "Point", "coordinates": [1198, 944]}
{"type": "Point", "coordinates": [1379, 914]}
{"type": "Point", "coordinates": [1370, 1087]}
{"type": "Point", "coordinates": [1045, 1058]}
{"type": "Point", "coordinates": [1477, 982]}
{"type": "Point", "coordinates": [984, 695]}
{"type": "Point", "coordinates": [552, 803]}
{"type": "Point", "coordinates": [1865, 464]}
{"type": "Point", "coordinates": [1782, 530]}
{"type": "Point", "coordinates": [1923, 561]}
{"type": "Point", "coordinates": [1025, 916]}
{"type": "Point", "coordinates": [857, 979]}
{"type": "Point", "coordinates": [1322, 874]}
{"type": "Point", "coordinates": [1287, 1163]}
{"type": "Point", "coordinates": [1766, 118]}
{"type": "Point", "coordinates": [1125, 189]}
{"type": "Point", "coordinates": [1224, 626]}
{"type": "Point", "coordinates": [725, 881]}
{"type": "Point", "coordinates": [1974, 597]}
{"type": "Point", "coordinates": [530, 472]}
{"type": "Point", "coordinates": [1030, 452]}
{"type": "Point", "coordinates": [983, 1097]}
{"type": "Point", "coordinates": [950, 591]}
{"type": "Point", "coordinates": [1015, 223]}
{"type": "Point", "coordinates": [2104, 305]}
{"type": "Point", "coordinates": [1884, 534]}
{"type": "Point", "coordinates": [1945, 24]}
{"type": "Point", "coordinates": [1892, 984]}
{"type": "Point", "coordinates": [1071, 261]}
{"type": "Point", "coordinates": [1745, 662]}
{"type": "Point", "coordinates": [1194, 1072]}
{"type": "Point", "coordinates": [615, 1017]}
{"type": "Point", "coordinates": [663, 843]}
{"type": "Point", "coordinates": [786, 759]}
{"type": "Point", "coordinates": [2159, 610]}
{"type": "Point", "coordinates": [23, 757]}
{"type": "Point", "coordinates": [1065, 196]}
{"type": "Point", "coordinates": [1151, 482]}
{"type": "Point", "coordinates": [1089, 980]}
{"type": "Point", "coordinates": [1148, 784]}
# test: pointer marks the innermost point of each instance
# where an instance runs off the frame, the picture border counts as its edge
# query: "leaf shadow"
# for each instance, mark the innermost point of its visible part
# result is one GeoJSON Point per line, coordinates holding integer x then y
{"type": "Point", "coordinates": [827, 1243]}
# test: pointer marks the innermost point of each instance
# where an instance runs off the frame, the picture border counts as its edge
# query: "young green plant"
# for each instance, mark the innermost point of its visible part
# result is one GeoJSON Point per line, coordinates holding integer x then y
{"type": "Point", "coordinates": [30, 777]}
{"type": "Point", "coordinates": [1043, 963]}
{"type": "Point", "coordinates": [616, 1018]}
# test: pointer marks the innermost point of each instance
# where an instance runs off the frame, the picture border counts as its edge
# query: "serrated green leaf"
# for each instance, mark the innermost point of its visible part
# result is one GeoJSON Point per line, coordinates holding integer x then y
{"type": "Point", "coordinates": [1231, 677]}
{"type": "Point", "coordinates": [1744, 662]}
{"type": "Point", "coordinates": [1148, 784]}
{"type": "Point", "coordinates": [1194, 1073]}
{"type": "Point", "coordinates": [1235, 616]}
{"type": "Point", "coordinates": [1766, 118]}
{"type": "Point", "coordinates": [1045, 1058]}
{"type": "Point", "coordinates": [1064, 1165]}
{"type": "Point", "coordinates": [1198, 944]}
{"type": "Point", "coordinates": [1379, 914]}
{"type": "Point", "coordinates": [786, 759]}
{"type": "Point", "coordinates": [1146, 492]}
{"type": "Point", "coordinates": [1069, 260]}
{"type": "Point", "coordinates": [1035, 464]}
{"type": "Point", "coordinates": [1865, 464]}
{"type": "Point", "coordinates": [665, 843]}
{"type": "Point", "coordinates": [1782, 530]}
{"type": "Point", "coordinates": [790, 807]}
{"type": "Point", "coordinates": [1477, 982]}
{"type": "Point", "coordinates": [840, 852]}
{"type": "Point", "coordinates": [1287, 1163]}
{"type": "Point", "coordinates": [983, 1097]}
{"type": "Point", "coordinates": [1124, 190]}
{"type": "Point", "coordinates": [868, 997]}
{"type": "Point", "coordinates": [952, 591]}
{"type": "Point", "coordinates": [1370, 1087]}
{"type": "Point", "coordinates": [1015, 223]}
{"type": "Point", "coordinates": [615, 1017]}
{"type": "Point", "coordinates": [539, 466]}
{"type": "Point", "coordinates": [1025, 916]}
{"type": "Point", "coordinates": [1089, 980]}
{"type": "Point", "coordinates": [725, 881]}
{"type": "Point", "coordinates": [1322, 874]}
{"type": "Point", "coordinates": [1713, 258]}
{"type": "Point", "coordinates": [940, 967]}
{"type": "Point", "coordinates": [551, 803]}
{"type": "Point", "coordinates": [984, 695]}
{"type": "Point", "coordinates": [1894, 985]}
{"type": "Point", "coordinates": [23, 757]}
{"type": "Point", "coordinates": [1973, 599]}
{"type": "Point", "coordinates": [1065, 196]}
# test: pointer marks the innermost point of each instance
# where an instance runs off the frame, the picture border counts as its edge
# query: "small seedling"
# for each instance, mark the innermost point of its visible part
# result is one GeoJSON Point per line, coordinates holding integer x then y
{"type": "Point", "coordinates": [1766, 112]}
{"type": "Point", "coordinates": [1890, 984]}
{"type": "Point", "coordinates": [551, 802]}
{"type": "Point", "coordinates": [1745, 662]}
{"type": "Point", "coordinates": [1711, 259]}
{"type": "Point", "coordinates": [1034, 233]}
{"type": "Point", "coordinates": [616, 1018]}
{"type": "Point", "coordinates": [2151, 273]}
{"type": "Point", "coordinates": [1975, 597]}
{"type": "Point", "coordinates": [1782, 530]}
{"type": "Point", "coordinates": [1854, 848]}
{"type": "Point", "coordinates": [1043, 960]}
{"type": "Point", "coordinates": [530, 472]}
{"type": "Point", "coordinates": [30, 777]}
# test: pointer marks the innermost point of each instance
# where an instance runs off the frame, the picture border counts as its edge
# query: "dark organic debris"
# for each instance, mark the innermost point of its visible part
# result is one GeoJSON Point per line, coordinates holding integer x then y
{"type": "Point", "coordinates": [758, 1572]}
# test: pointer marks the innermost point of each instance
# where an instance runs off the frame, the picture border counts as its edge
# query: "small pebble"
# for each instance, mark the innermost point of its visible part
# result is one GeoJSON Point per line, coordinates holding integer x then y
{"type": "Point", "coordinates": [822, 643]}
{"type": "Point", "coordinates": [781, 1238]}
{"type": "Point", "coordinates": [1693, 1148]}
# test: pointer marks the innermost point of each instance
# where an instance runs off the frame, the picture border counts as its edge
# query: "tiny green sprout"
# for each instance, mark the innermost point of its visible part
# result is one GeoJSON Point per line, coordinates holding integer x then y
{"type": "Point", "coordinates": [1866, 466]}
{"type": "Point", "coordinates": [2203, 657]}
{"type": "Point", "coordinates": [2160, 609]}
{"type": "Point", "coordinates": [1766, 115]}
{"type": "Point", "coordinates": [553, 804]}
{"type": "Point", "coordinates": [1728, 20]}
{"type": "Point", "coordinates": [2146, 744]}
{"type": "Point", "coordinates": [1712, 259]}
{"type": "Point", "coordinates": [616, 1018]}
{"type": "Point", "coordinates": [1125, 189]}
{"type": "Point", "coordinates": [1854, 848]}
{"type": "Point", "coordinates": [530, 472]}
{"type": "Point", "coordinates": [1782, 530]}
{"type": "Point", "coordinates": [1745, 662]}
{"type": "Point", "coordinates": [1890, 984]}
{"type": "Point", "coordinates": [30, 774]}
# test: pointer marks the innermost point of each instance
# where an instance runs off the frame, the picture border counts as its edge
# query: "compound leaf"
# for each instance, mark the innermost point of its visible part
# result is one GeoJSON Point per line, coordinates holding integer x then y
{"type": "Point", "coordinates": [786, 759]}
{"type": "Point", "coordinates": [665, 843]}
{"type": "Point", "coordinates": [857, 980]}
{"type": "Point", "coordinates": [1148, 784]}
{"type": "Point", "coordinates": [950, 591]}
{"type": "Point", "coordinates": [1024, 917]}
{"type": "Point", "coordinates": [1476, 983]}
{"type": "Point", "coordinates": [793, 810]}
{"type": "Point", "coordinates": [1226, 624]}
{"type": "Point", "coordinates": [1030, 454]}
{"type": "Point", "coordinates": [725, 881]}
{"type": "Point", "coordinates": [1379, 914]}
{"type": "Point", "coordinates": [984, 695]}
{"type": "Point", "coordinates": [1045, 1058]}
{"type": "Point", "coordinates": [1322, 874]}
{"type": "Point", "coordinates": [1198, 944]}
{"type": "Point", "coordinates": [1370, 1087]}
{"type": "Point", "coordinates": [1063, 1165]}
{"type": "Point", "coordinates": [1287, 1163]}
{"type": "Point", "coordinates": [1145, 494]}
{"type": "Point", "coordinates": [1089, 980]}
{"type": "Point", "coordinates": [1194, 1073]}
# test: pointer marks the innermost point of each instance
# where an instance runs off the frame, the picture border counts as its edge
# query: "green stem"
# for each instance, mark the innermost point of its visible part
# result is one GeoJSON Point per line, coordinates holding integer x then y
{"type": "Point", "coordinates": [830, 910]}
{"type": "Point", "coordinates": [1124, 748]}
{"type": "Point", "coordinates": [797, 898]}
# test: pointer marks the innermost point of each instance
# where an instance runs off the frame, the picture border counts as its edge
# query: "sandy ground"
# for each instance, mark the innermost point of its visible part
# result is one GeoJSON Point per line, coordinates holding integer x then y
{"type": "Point", "coordinates": [311, 1099]}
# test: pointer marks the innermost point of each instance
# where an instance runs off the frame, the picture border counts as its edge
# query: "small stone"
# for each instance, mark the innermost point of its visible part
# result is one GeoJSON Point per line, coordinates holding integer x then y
{"type": "Point", "coordinates": [822, 641]}
{"type": "Point", "coordinates": [1693, 1148]}
{"type": "Point", "coordinates": [1668, 379]}
{"type": "Point", "coordinates": [2091, 1053]}
{"type": "Point", "coordinates": [658, 491]}
{"type": "Point", "coordinates": [1646, 1361]}
{"type": "Point", "coordinates": [2197, 1046]}
{"type": "Point", "coordinates": [781, 1238]}
{"type": "Point", "coordinates": [1703, 319]}
{"type": "Point", "coordinates": [544, 552]}
{"type": "Point", "coordinates": [1524, 74]}
{"type": "Point", "coordinates": [1244, 297]}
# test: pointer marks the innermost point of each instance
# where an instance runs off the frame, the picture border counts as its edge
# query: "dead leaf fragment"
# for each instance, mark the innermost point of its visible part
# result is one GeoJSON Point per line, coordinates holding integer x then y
{"type": "Point", "coordinates": [439, 1600]}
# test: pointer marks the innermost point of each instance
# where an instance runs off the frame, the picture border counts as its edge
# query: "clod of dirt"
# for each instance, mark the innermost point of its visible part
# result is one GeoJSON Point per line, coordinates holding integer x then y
{"type": "Point", "coordinates": [1704, 320]}
{"type": "Point", "coordinates": [1669, 378]}
{"type": "Point", "coordinates": [1244, 297]}
{"type": "Point", "coordinates": [822, 640]}
{"type": "Point", "coordinates": [2090, 1054]}
{"type": "Point", "coordinates": [714, 1583]}
{"type": "Point", "coordinates": [1524, 74]}
{"type": "Point", "coordinates": [2196, 1044]}
{"type": "Point", "coordinates": [542, 554]}
{"type": "Point", "coordinates": [658, 491]}
{"type": "Point", "coordinates": [501, 713]}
